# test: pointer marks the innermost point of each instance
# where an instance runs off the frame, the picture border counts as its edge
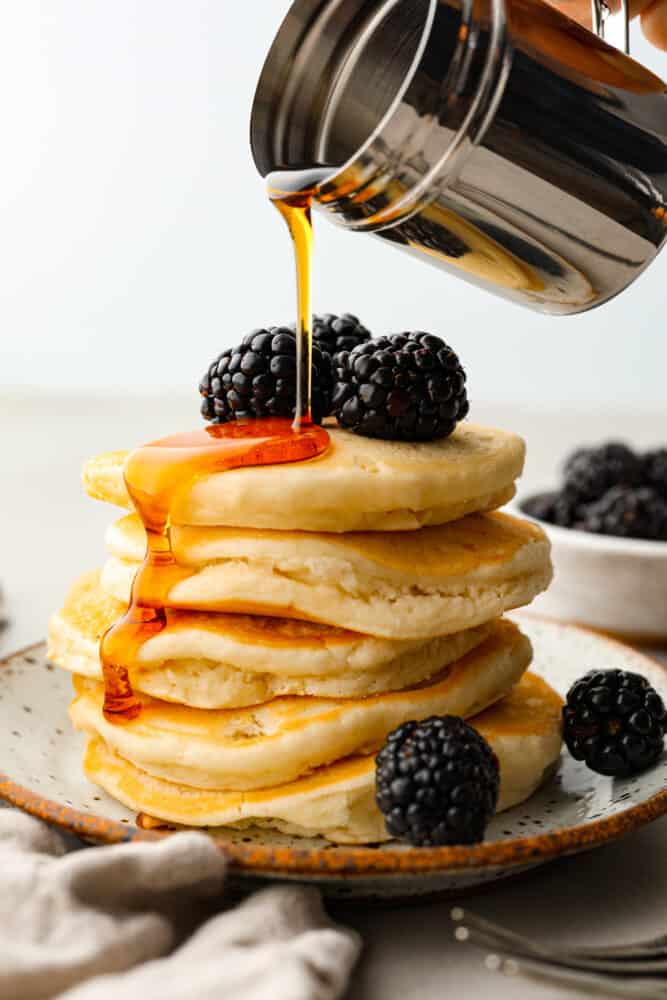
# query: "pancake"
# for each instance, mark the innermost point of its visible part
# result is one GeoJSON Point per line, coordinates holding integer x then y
{"type": "Point", "coordinates": [227, 661]}
{"type": "Point", "coordinates": [337, 802]}
{"type": "Point", "coordinates": [412, 585]}
{"type": "Point", "coordinates": [359, 484]}
{"type": "Point", "coordinates": [286, 738]}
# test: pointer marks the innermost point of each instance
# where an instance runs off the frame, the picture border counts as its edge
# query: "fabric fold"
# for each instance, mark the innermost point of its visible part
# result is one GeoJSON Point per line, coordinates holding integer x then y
{"type": "Point", "coordinates": [143, 920]}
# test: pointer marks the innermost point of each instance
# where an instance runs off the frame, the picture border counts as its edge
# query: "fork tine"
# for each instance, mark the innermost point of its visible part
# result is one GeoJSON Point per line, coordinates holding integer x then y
{"type": "Point", "coordinates": [486, 934]}
{"type": "Point", "coordinates": [656, 946]}
{"type": "Point", "coordinates": [632, 989]}
{"type": "Point", "coordinates": [504, 940]}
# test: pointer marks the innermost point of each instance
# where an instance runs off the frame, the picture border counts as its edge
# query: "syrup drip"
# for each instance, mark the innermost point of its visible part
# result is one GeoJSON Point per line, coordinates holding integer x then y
{"type": "Point", "coordinates": [292, 192]}
{"type": "Point", "coordinates": [156, 476]}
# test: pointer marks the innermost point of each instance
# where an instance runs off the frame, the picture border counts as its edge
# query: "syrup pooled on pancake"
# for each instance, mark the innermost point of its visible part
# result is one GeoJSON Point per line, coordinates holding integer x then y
{"type": "Point", "coordinates": [359, 484]}
{"type": "Point", "coordinates": [154, 475]}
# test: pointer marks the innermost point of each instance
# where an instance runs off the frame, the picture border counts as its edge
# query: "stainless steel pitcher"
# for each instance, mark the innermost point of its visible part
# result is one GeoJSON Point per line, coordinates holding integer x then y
{"type": "Point", "coordinates": [496, 138]}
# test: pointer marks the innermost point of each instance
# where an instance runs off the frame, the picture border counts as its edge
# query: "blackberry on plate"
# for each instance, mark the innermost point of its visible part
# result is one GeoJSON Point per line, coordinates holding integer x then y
{"type": "Point", "coordinates": [654, 466]}
{"type": "Point", "coordinates": [258, 379]}
{"type": "Point", "coordinates": [334, 334]}
{"type": "Point", "coordinates": [405, 387]}
{"type": "Point", "coordinates": [437, 782]}
{"type": "Point", "coordinates": [590, 472]}
{"type": "Point", "coordinates": [615, 722]}
{"type": "Point", "coordinates": [628, 513]}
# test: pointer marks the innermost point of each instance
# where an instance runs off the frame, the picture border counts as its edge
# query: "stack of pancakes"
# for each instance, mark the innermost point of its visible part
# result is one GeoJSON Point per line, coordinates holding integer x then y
{"type": "Point", "coordinates": [325, 603]}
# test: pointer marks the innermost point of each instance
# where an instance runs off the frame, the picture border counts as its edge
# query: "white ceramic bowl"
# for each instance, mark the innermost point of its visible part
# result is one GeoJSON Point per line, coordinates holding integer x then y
{"type": "Point", "coordinates": [617, 585]}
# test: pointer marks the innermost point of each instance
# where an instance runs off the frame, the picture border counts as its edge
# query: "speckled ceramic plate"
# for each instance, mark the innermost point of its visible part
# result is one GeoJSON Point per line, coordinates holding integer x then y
{"type": "Point", "coordinates": [577, 810]}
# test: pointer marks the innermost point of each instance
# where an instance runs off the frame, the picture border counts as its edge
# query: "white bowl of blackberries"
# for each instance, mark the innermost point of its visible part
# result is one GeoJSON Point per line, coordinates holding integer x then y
{"type": "Point", "coordinates": [608, 528]}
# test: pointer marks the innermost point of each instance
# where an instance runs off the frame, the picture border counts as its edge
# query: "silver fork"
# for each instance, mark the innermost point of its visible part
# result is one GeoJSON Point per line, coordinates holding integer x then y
{"type": "Point", "coordinates": [635, 970]}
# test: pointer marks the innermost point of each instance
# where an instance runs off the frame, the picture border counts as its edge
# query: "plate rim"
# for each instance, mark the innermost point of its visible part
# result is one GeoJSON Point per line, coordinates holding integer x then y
{"type": "Point", "coordinates": [350, 861]}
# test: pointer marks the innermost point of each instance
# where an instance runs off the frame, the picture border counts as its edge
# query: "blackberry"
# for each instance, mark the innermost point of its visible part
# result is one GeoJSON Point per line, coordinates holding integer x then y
{"type": "Point", "coordinates": [615, 722]}
{"type": "Point", "coordinates": [566, 512]}
{"type": "Point", "coordinates": [437, 782]}
{"type": "Point", "coordinates": [334, 334]}
{"type": "Point", "coordinates": [628, 513]}
{"type": "Point", "coordinates": [554, 508]}
{"type": "Point", "coordinates": [258, 379]}
{"type": "Point", "coordinates": [540, 506]}
{"type": "Point", "coordinates": [406, 387]}
{"type": "Point", "coordinates": [590, 472]}
{"type": "Point", "coordinates": [654, 468]}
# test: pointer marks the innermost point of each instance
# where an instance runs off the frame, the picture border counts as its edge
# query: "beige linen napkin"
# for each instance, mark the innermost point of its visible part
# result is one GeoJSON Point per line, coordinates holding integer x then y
{"type": "Point", "coordinates": [113, 922]}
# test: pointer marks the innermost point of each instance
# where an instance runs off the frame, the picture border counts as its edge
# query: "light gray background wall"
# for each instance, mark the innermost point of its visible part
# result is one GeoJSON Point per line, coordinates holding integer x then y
{"type": "Point", "coordinates": [135, 240]}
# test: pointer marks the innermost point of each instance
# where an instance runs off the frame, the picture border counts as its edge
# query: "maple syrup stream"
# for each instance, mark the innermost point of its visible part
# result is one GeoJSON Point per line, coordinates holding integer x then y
{"type": "Point", "coordinates": [157, 474]}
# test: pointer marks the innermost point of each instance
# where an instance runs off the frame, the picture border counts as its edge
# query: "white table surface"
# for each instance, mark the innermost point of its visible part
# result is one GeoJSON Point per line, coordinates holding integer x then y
{"type": "Point", "coordinates": [50, 532]}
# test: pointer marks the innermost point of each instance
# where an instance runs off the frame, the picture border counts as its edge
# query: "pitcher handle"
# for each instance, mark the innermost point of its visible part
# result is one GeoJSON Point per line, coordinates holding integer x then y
{"type": "Point", "coordinates": [614, 28]}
